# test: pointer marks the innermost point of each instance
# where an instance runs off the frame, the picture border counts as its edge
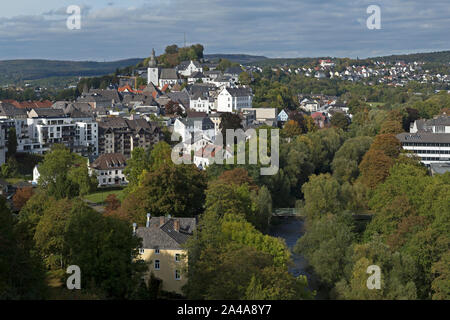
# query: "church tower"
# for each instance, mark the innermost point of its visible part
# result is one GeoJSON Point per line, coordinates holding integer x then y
{"type": "Point", "coordinates": [152, 70]}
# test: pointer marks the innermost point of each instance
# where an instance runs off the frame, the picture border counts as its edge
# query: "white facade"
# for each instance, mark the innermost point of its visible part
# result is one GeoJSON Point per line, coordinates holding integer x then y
{"type": "Point", "coordinates": [201, 104]}
{"type": "Point", "coordinates": [191, 69]}
{"type": "Point", "coordinates": [429, 147]}
{"type": "Point", "coordinates": [110, 177]}
{"type": "Point", "coordinates": [153, 76]}
{"type": "Point", "coordinates": [234, 99]}
{"type": "Point", "coordinates": [41, 133]}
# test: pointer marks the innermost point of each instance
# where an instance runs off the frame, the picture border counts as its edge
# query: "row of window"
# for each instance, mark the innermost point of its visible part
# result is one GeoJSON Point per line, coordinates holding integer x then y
{"type": "Point", "coordinates": [425, 144]}
{"type": "Point", "coordinates": [432, 151]}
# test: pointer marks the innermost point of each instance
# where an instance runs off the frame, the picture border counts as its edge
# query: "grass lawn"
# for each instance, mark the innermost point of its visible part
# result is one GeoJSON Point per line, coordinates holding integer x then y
{"type": "Point", "coordinates": [100, 196]}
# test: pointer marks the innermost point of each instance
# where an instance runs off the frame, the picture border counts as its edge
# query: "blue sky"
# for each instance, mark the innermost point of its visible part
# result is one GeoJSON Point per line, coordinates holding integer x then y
{"type": "Point", "coordinates": [112, 30]}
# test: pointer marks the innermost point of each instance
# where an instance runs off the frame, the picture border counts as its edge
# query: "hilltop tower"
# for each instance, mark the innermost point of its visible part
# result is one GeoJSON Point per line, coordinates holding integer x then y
{"type": "Point", "coordinates": [152, 70]}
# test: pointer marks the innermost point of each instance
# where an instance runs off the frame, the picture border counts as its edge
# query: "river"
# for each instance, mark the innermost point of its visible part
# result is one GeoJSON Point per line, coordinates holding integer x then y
{"type": "Point", "coordinates": [291, 229]}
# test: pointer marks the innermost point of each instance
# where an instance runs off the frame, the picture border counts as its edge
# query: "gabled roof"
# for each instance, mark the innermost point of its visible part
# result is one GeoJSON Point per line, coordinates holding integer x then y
{"type": "Point", "coordinates": [109, 161]}
{"type": "Point", "coordinates": [46, 113]}
{"type": "Point", "coordinates": [164, 235]}
{"type": "Point", "coordinates": [239, 91]}
{"type": "Point", "coordinates": [168, 74]}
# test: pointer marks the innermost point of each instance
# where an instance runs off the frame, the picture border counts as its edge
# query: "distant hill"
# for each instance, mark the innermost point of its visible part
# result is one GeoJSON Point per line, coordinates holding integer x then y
{"type": "Point", "coordinates": [433, 57]}
{"type": "Point", "coordinates": [13, 71]}
{"type": "Point", "coordinates": [239, 58]}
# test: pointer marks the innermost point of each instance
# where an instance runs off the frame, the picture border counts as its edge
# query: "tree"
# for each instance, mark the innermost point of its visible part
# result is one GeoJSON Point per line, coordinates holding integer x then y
{"type": "Point", "coordinates": [327, 245]}
{"type": "Point", "coordinates": [322, 195]}
{"type": "Point", "coordinates": [340, 120]}
{"type": "Point", "coordinates": [391, 127]}
{"type": "Point", "coordinates": [106, 251]}
{"type": "Point", "coordinates": [21, 274]}
{"type": "Point", "coordinates": [175, 190]}
{"type": "Point", "coordinates": [397, 278]}
{"type": "Point", "coordinates": [238, 176]}
{"type": "Point", "coordinates": [347, 158]}
{"type": "Point", "coordinates": [374, 168]}
{"type": "Point", "coordinates": [291, 129]}
{"type": "Point", "coordinates": [388, 144]}
{"type": "Point", "coordinates": [49, 235]}
{"type": "Point", "coordinates": [65, 174]}
{"type": "Point", "coordinates": [21, 197]}
{"type": "Point", "coordinates": [12, 142]}
{"type": "Point", "coordinates": [112, 204]}
{"type": "Point", "coordinates": [214, 268]}
{"type": "Point", "coordinates": [139, 161]}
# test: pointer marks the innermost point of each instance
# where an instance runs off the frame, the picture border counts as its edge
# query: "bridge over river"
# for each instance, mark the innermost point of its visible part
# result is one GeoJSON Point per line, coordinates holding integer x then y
{"type": "Point", "coordinates": [300, 213]}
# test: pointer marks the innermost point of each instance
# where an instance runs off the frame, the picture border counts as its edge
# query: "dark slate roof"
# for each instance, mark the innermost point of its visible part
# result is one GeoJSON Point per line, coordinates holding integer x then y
{"type": "Point", "coordinates": [49, 112]}
{"type": "Point", "coordinates": [9, 110]}
{"type": "Point", "coordinates": [180, 97]}
{"type": "Point", "coordinates": [240, 91]}
{"type": "Point", "coordinates": [164, 236]}
{"type": "Point", "coordinates": [424, 137]}
{"type": "Point", "coordinates": [426, 125]}
{"type": "Point", "coordinates": [109, 161]}
{"type": "Point", "coordinates": [197, 75]}
{"type": "Point", "coordinates": [168, 74]}
{"type": "Point", "coordinates": [107, 94]}
{"type": "Point", "coordinates": [234, 70]}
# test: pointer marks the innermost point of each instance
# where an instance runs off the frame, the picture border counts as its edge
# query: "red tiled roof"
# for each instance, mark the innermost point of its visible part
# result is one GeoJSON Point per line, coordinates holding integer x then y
{"type": "Point", "coordinates": [30, 104]}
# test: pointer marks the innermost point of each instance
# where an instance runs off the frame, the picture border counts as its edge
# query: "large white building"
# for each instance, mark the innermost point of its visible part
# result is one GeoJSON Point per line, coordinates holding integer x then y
{"type": "Point", "coordinates": [429, 140]}
{"type": "Point", "coordinates": [234, 99]}
{"type": "Point", "coordinates": [46, 126]}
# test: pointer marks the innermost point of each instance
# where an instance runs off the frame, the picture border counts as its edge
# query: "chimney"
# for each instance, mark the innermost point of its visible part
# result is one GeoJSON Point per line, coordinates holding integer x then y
{"type": "Point", "coordinates": [134, 228]}
{"type": "Point", "coordinates": [148, 220]}
{"type": "Point", "coordinates": [162, 220]}
{"type": "Point", "coordinates": [176, 225]}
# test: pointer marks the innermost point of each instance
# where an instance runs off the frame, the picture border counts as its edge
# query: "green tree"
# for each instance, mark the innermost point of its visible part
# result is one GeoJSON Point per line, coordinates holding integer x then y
{"type": "Point", "coordinates": [12, 142]}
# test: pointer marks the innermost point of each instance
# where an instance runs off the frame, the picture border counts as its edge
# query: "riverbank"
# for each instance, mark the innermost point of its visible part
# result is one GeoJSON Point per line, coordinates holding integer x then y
{"type": "Point", "coordinates": [291, 229]}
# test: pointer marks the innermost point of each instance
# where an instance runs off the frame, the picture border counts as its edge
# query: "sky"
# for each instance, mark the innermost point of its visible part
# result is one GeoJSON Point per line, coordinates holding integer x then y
{"type": "Point", "coordinates": [112, 30]}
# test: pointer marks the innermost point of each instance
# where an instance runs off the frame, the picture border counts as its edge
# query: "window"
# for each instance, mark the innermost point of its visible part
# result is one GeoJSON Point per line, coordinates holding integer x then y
{"type": "Point", "coordinates": [156, 251]}
{"type": "Point", "coordinates": [141, 250]}
{"type": "Point", "coordinates": [177, 257]}
{"type": "Point", "coordinates": [177, 275]}
{"type": "Point", "coordinates": [156, 264]}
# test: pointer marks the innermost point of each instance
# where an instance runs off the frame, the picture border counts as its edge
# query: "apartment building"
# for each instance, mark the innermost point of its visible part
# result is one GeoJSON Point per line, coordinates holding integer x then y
{"type": "Point", "coordinates": [120, 135]}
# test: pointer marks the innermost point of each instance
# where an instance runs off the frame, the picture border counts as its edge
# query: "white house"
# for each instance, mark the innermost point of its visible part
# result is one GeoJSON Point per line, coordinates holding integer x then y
{"type": "Point", "coordinates": [234, 99]}
{"type": "Point", "coordinates": [283, 116]}
{"type": "Point", "coordinates": [201, 103]}
{"type": "Point", "coordinates": [188, 127]}
{"type": "Point", "coordinates": [187, 68]}
{"type": "Point", "coordinates": [109, 169]}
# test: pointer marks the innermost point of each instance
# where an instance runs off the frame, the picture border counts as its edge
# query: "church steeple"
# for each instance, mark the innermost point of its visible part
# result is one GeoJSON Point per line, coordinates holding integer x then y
{"type": "Point", "coordinates": [152, 62]}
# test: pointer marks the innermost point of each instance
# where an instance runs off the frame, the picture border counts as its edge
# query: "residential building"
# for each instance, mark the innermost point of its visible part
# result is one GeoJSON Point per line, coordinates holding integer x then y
{"type": "Point", "coordinates": [186, 128]}
{"type": "Point", "coordinates": [234, 99]}
{"type": "Point", "coordinates": [283, 116]}
{"type": "Point", "coordinates": [188, 68]}
{"type": "Point", "coordinates": [120, 135]}
{"type": "Point", "coordinates": [163, 240]}
{"type": "Point", "coordinates": [109, 169]}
